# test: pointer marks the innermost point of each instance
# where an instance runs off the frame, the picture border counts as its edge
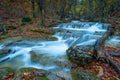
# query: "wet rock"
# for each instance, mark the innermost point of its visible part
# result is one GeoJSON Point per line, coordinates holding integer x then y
{"type": "Point", "coordinates": [87, 48]}
{"type": "Point", "coordinates": [59, 75]}
{"type": "Point", "coordinates": [76, 55]}
{"type": "Point", "coordinates": [4, 59]}
{"type": "Point", "coordinates": [62, 62]}
{"type": "Point", "coordinates": [81, 74]}
{"type": "Point", "coordinates": [4, 51]}
{"type": "Point", "coordinates": [41, 58]}
{"type": "Point", "coordinates": [35, 57]}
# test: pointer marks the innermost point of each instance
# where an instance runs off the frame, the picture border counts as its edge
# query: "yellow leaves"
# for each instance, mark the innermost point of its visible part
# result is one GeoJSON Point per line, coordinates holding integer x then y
{"type": "Point", "coordinates": [116, 78]}
{"type": "Point", "coordinates": [100, 73]}
{"type": "Point", "coordinates": [26, 73]}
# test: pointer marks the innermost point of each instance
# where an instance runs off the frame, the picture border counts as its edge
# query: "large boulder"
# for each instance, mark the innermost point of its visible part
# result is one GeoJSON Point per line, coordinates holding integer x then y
{"type": "Point", "coordinates": [78, 56]}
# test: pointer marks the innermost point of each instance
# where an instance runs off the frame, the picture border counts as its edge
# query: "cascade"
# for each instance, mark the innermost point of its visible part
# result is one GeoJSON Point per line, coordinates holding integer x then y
{"type": "Point", "coordinates": [69, 34]}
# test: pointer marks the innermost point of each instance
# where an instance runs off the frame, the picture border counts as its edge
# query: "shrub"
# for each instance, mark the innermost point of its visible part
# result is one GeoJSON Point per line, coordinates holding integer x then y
{"type": "Point", "coordinates": [11, 27]}
{"type": "Point", "coordinates": [36, 13]}
{"type": "Point", "coordinates": [26, 19]}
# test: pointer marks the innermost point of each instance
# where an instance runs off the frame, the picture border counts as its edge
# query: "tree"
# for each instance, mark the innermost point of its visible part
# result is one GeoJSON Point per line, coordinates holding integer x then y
{"type": "Point", "coordinates": [33, 7]}
{"type": "Point", "coordinates": [41, 5]}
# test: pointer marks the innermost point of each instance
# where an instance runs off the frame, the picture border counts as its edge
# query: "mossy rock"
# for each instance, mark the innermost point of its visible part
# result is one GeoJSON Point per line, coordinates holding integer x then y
{"type": "Point", "coordinates": [42, 31]}
{"type": "Point", "coordinates": [40, 58]}
{"type": "Point", "coordinates": [5, 71]}
{"type": "Point", "coordinates": [78, 56]}
{"type": "Point", "coordinates": [81, 74]}
{"type": "Point", "coordinates": [35, 57]}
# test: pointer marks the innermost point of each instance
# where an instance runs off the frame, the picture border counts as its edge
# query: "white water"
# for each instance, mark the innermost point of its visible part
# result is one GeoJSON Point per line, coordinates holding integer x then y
{"type": "Point", "coordinates": [1, 47]}
{"type": "Point", "coordinates": [52, 48]}
{"type": "Point", "coordinates": [114, 41]}
{"type": "Point", "coordinates": [80, 35]}
{"type": "Point", "coordinates": [97, 27]}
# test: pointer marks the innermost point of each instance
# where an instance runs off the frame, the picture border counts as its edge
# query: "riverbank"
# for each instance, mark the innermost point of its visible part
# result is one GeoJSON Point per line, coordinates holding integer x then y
{"type": "Point", "coordinates": [30, 30]}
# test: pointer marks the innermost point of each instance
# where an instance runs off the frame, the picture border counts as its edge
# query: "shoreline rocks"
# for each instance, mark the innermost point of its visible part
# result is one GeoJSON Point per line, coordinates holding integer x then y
{"type": "Point", "coordinates": [78, 56]}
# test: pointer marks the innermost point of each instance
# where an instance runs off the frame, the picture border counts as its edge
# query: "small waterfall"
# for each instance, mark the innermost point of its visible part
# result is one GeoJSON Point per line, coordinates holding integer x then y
{"type": "Point", "coordinates": [69, 34]}
{"type": "Point", "coordinates": [77, 32]}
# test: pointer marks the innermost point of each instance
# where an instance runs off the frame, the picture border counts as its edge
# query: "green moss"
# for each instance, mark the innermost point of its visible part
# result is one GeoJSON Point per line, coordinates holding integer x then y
{"type": "Point", "coordinates": [42, 31]}
{"type": "Point", "coordinates": [1, 53]}
{"type": "Point", "coordinates": [12, 27]}
{"type": "Point", "coordinates": [30, 70]}
{"type": "Point", "coordinates": [4, 72]}
{"type": "Point", "coordinates": [23, 23]}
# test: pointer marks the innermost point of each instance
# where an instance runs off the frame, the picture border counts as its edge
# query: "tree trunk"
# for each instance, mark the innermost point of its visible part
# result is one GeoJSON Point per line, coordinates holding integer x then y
{"type": "Point", "coordinates": [33, 7]}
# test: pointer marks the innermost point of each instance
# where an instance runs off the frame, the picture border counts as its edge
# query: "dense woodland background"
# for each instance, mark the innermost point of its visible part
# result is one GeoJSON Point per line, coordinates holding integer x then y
{"type": "Point", "coordinates": [59, 11]}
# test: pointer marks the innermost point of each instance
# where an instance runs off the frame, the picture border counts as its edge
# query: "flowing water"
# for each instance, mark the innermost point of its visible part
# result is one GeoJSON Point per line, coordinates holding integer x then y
{"type": "Point", "coordinates": [53, 53]}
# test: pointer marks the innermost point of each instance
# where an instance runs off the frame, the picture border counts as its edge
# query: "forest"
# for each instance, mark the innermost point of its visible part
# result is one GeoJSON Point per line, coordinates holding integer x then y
{"type": "Point", "coordinates": [59, 39]}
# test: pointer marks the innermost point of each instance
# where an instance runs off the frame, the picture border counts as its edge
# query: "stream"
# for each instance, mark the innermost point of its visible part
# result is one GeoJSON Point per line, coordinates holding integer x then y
{"type": "Point", "coordinates": [51, 55]}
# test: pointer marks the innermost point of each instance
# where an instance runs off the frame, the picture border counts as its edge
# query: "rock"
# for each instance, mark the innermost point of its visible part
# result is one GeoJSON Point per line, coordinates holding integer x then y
{"type": "Point", "coordinates": [35, 57]}
{"type": "Point", "coordinates": [76, 55]}
{"type": "Point", "coordinates": [59, 75]}
{"type": "Point", "coordinates": [4, 72]}
{"type": "Point", "coordinates": [4, 59]}
{"type": "Point", "coordinates": [41, 58]}
{"type": "Point", "coordinates": [4, 51]}
{"type": "Point", "coordinates": [81, 74]}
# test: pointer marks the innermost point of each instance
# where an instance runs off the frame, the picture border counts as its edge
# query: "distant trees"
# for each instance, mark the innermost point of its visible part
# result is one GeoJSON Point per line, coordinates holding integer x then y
{"type": "Point", "coordinates": [99, 8]}
{"type": "Point", "coordinates": [89, 9]}
{"type": "Point", "coordinates": [33, 7]}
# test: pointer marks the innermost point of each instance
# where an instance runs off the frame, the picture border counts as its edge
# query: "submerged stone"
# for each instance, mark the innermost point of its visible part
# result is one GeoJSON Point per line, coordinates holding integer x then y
{"type": "Point", "coordinates": [5, 51]}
